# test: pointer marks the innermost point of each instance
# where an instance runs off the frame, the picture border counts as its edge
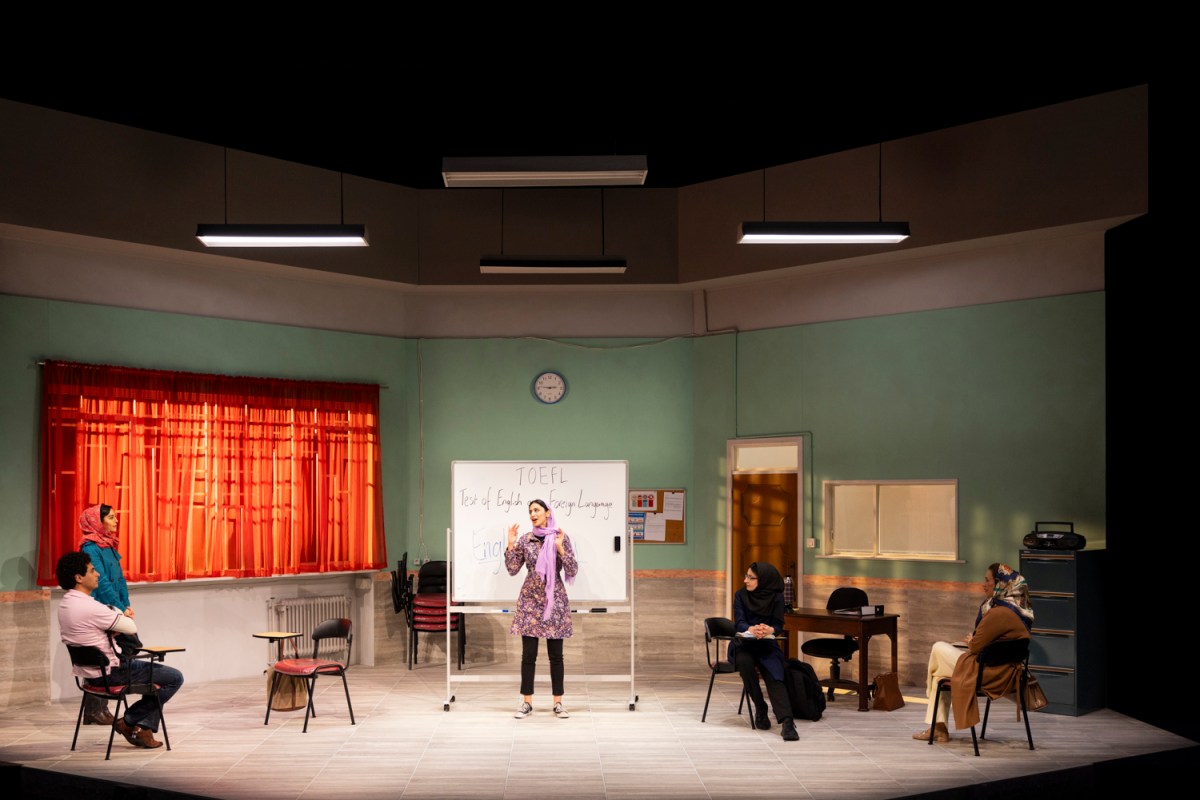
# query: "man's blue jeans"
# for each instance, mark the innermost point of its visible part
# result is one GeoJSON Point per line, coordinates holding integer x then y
{"type": "Point", "coordinates": [145, 711]}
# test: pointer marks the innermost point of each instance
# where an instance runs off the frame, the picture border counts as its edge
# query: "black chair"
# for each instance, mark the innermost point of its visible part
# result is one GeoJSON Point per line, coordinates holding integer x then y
{"type": "Point", "coordinates": [308, 669]}
{"type": "Point", "coordinates": [117, 685]}
{"type": "Point", "coordinates": [999, 653]}
{"type": "Point", "coordinates": [718, 632]}
{"type": "Point", "coordinates": [426, 609]}
{"type": "Point", "coordinates": [401, 585]}
{"type": "Point", "coordinates": [837, 649]}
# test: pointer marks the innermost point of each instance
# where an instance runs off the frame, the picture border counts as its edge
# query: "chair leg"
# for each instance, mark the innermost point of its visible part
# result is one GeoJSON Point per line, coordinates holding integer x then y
{"type": "Point", "coordinates": [346, 686]}
{"type": "Point", "coordinates": [987, 709]}
{"type": "Point", "coordinates": [711, 677]}
{"type": "Point", "coordinates": [974, 741]}
{"type": "Point", "coordinates": [271, 696]}
{"type": "Point", "coordinates": [163, 719]}
{"type": "Point", "coordinates": [309, 709]}
{"type": "Point", "coordinates": [79, 719]}
{"type": "Point", "coordinates": [937, 698]}
{"type": "Point", "coordinates": [1025, 714]}
{"type": "Point", "coordinates": [117, 714]}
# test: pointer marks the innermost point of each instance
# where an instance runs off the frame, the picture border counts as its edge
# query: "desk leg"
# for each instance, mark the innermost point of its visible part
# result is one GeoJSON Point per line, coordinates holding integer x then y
{"type": "Point", "coordinates": [864, 655]}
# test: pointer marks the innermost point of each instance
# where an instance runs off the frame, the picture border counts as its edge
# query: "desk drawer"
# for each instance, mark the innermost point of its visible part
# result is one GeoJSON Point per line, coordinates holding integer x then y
{"type": "Point", "coordinates": [1052, 649]}
{"type": "Point", "coordinates": [1054, 612]}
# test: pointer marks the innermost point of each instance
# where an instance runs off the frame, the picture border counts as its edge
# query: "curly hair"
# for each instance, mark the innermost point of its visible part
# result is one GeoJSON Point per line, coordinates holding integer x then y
{"type": "Point", "coordinates": [70, 565]}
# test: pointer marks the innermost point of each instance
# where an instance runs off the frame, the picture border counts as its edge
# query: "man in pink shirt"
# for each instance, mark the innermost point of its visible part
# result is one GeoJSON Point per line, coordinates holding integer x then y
{"type": "Point", "coordinates": [82, 620]}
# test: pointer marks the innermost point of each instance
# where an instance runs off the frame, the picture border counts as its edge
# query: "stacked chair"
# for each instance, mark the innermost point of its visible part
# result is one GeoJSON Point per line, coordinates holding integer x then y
{"type": "Point", "coordinates": [425, 608]}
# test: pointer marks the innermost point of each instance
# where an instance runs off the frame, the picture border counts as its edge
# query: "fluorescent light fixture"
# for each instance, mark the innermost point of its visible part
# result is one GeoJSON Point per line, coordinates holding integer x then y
{"type": "Point", "coordinates": [822, 232]}
{"type": "Point", "coordinates": [282, 235]}
{"type": "Point", "coordinates": [544, 171]}
{"type": "Point", "coordinates": [551, 265]}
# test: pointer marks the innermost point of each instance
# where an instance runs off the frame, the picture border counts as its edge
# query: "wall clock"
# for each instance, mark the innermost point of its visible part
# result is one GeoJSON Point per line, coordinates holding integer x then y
{"type": "Point", "coordinates": [549, 387]}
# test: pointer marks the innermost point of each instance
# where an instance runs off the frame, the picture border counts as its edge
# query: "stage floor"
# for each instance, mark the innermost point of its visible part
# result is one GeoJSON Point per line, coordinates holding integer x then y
{"type": "Point", "coordinates": [406, 746]}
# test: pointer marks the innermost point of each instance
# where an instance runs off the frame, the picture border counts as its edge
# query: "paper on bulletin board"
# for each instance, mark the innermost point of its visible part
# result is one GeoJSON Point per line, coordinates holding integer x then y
{"type": "Point", "coordinates": [673, 505]}
{"type": "Point", "coordinates": [637, 526]}
{"type": "Point", "coordinates": [656, 528]}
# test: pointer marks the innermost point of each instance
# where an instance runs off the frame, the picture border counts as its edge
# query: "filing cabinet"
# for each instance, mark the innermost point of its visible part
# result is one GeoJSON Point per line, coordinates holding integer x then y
{"type": "Point", "coordinates": [1066, 651]}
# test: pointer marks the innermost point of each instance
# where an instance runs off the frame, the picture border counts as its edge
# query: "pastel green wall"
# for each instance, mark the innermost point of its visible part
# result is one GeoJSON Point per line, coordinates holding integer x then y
{"type": "Point", "coordinates": [33, 330]}
{"type": "Point", "coordinates": [1007, 398]}
{"type": "Point", "coordinates": [628, 401]}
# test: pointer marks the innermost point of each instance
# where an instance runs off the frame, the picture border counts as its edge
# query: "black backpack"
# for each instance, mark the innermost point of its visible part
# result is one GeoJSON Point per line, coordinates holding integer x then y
{"type": "Point", "coordinates": [805, 692]}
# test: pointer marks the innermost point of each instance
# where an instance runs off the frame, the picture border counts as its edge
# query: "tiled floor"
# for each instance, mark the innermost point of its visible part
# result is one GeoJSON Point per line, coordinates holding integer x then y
{"type": "Point", "coordinates": [406, 746]}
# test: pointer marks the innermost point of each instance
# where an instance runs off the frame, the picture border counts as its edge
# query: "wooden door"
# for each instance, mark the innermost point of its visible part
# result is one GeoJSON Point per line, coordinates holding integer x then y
{"type": "Point", "coordinates": [766, 509]}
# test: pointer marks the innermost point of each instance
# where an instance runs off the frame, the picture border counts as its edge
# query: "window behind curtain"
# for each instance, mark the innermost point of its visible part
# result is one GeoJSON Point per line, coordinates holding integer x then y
{"type": "Point", "coordinates": [212, 476]}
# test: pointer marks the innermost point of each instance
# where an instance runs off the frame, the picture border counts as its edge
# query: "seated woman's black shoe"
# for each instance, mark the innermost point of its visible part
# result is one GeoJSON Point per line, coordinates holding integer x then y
{"type": "Point", "coordinates": [789, 732]}
{"type": "Point", "coordinates": [761, 720]}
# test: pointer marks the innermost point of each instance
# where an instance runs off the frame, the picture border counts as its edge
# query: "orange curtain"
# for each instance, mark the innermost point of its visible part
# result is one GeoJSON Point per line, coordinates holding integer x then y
{"type": "Point", "coordinates": [211, 475]}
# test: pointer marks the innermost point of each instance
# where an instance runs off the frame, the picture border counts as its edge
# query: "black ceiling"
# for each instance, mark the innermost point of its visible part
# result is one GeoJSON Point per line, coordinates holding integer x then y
{"type": "Point", "coordinates": [692, 125]}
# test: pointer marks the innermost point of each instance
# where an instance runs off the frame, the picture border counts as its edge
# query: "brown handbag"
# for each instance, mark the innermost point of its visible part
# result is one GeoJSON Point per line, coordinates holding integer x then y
{"type": "Point", "coordinates": [1035, 698]}
{"type": "Point", "coordinates": [887, 692]}
{"type": "Point", "coordinates": [290, 695]}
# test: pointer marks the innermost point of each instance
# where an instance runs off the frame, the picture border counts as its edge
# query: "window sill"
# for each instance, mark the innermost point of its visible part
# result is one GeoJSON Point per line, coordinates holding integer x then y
{"type": "Point", "coordinates": [919, 559]}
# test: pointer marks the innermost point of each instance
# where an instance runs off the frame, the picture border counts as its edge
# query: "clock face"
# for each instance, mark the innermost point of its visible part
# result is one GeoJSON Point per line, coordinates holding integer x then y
{"type": "Point", "coordinates": [549, 387]}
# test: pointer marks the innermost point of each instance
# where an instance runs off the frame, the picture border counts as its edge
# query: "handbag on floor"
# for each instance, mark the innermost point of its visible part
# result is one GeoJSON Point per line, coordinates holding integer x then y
{"type": "Point", "coordinates": [1035, 698]}
{"type": "Point", "coordinates": [290, 695]}
{"type": "Point", "coordinates": [887, 692]}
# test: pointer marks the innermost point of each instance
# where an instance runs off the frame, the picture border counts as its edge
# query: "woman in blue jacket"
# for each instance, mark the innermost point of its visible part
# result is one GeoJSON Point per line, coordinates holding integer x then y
{"type": "Point", "coordinates": [98, 526]}
{"type": "Point", "coordinates": [758, 619]}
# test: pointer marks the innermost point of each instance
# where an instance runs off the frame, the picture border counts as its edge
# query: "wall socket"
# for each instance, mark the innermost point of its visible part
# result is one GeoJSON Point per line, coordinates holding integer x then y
{"type": "Point", "coordinates": [810, 543]}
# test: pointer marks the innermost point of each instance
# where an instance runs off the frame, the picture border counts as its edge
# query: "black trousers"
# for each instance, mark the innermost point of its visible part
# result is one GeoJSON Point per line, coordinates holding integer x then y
{"type": "Point", "coordinates": [529, 651]}
{"type": "Point", "coordinates": [747, 667]}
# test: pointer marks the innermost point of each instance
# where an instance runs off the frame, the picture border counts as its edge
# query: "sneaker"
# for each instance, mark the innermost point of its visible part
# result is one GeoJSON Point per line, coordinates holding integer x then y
{"type": "Point", "coordinates": [560, 711]}
{"type": "Point", "coordinates": [524, 711]}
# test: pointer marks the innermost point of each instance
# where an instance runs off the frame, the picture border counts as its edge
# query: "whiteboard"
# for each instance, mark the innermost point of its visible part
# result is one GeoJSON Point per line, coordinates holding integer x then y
{"type": "Point", "coordinates": [588, 499]}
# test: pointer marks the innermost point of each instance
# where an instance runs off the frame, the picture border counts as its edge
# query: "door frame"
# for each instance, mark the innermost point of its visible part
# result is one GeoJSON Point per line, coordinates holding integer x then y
{"type": "Point", "coordinates": [731, 448]}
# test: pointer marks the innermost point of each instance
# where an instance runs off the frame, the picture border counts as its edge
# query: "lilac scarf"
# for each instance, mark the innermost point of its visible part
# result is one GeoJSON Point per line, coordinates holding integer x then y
{"type": "Point", "coordinates": [547, 562]}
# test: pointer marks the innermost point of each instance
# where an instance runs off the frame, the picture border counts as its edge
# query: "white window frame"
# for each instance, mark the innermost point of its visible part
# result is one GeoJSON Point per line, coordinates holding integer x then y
{"type": "Point", "coordinates": [830, 523]}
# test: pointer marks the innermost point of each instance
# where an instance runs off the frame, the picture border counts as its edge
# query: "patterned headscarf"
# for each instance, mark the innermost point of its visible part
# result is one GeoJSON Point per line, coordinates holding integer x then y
{"type": "Point", "coordinates": [94, 531]}
{"type": "Point", "coordinates": [1010, 591]}
{"type": "Point", "coordinates": [547, 562]}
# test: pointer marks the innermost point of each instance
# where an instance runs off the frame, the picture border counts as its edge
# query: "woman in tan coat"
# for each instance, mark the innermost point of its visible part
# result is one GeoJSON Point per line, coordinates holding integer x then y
{"type": "Point", "coordinates": [1004, 614]}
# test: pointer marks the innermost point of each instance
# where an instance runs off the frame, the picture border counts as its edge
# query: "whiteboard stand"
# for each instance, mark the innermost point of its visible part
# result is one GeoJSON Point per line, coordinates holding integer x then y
{"type": "Point", "coordinates": [462, 608]}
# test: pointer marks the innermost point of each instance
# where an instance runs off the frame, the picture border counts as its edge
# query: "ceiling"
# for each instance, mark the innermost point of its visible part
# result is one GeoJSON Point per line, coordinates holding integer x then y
{"type": "Point", "coordinates": [692, 125]}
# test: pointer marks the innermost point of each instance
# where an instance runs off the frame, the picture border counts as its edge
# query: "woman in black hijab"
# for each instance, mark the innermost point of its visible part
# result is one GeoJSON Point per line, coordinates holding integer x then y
{"type": "Point", "coordinates": [758, 619]}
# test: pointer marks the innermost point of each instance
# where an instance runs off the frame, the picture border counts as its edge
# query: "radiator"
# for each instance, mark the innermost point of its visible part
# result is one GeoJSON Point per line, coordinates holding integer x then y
{"type": "Point", "coordinates": [303, 614]}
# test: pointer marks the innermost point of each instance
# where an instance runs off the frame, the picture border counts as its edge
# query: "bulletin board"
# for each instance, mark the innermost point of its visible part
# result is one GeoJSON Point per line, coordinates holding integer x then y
{"type": "Point", "coordinates": [657, 516]}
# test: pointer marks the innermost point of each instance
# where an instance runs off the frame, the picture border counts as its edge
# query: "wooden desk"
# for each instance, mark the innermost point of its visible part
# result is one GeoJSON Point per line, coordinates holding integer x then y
{"type": "Point", "coordinates": [159, 652]}
{"type": "Point", "coordinates": [273, 637]}
{"type": "Point", "coordinates": [818, 620]}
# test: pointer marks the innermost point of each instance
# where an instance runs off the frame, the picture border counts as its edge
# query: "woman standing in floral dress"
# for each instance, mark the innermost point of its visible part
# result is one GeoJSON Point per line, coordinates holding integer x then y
{"type": "Point", "coordinates": [543, 610]}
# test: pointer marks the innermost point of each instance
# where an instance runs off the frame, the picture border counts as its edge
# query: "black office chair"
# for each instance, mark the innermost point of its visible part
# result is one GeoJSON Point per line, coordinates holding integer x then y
{"type": "Point", "coordinates": [308, 669]}
{"type": "Point", "coordinates": [1000, 653]}
{"type": "Point", "coordinates": [837, 649]}
{"type": "Point", "coordinates": [117, 685]}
